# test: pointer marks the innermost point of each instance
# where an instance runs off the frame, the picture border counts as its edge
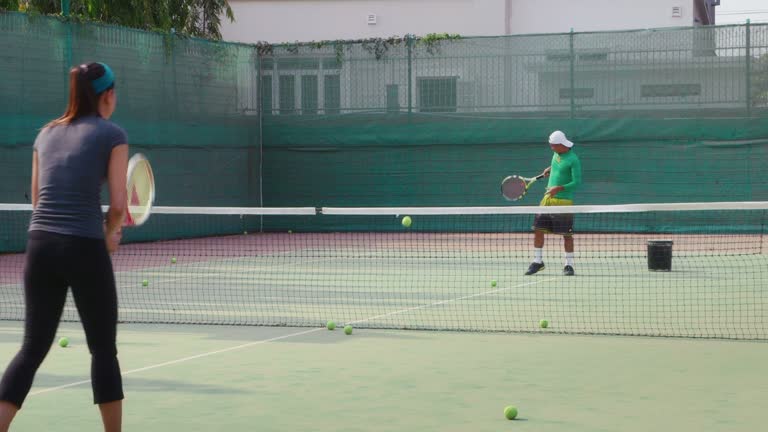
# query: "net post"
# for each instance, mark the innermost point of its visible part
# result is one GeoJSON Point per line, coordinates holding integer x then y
{"type": "Point", "coordinates": [572, 71]}
{"type": "Point", "coordinates": [260, 108]}
{"type": "Point", "coordinates": [252, 153]}
{"type": "Point", "coordinates": [748, 66]}
{"type": "Point", "coordinates": [762, 231]}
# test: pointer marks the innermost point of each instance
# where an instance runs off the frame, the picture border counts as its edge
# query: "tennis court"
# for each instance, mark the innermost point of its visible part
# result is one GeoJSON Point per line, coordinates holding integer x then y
{"type": "Point", "coordinates": [270, 364]}
{"type": "Point", "coordinates": [223, 310]}
{"type": "Point", "coordinates": [292, 379]}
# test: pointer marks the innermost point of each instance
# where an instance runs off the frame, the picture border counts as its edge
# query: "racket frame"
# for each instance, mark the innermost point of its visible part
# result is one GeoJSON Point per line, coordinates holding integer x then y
{"type": "Point", "coordinates": [527, 182]}
{"type": "Point", "coordinates": [134, 165]}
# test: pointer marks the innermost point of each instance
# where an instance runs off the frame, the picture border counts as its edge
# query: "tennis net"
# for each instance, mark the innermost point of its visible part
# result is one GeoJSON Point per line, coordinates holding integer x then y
{"type": "Point", "coordinates": [454, 268]}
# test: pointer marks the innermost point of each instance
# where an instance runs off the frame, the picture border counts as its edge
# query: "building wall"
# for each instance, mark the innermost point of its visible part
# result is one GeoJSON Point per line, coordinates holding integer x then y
{"type": "Point", "coordinates": [634, 70]}
{"type": "Point", "coordinates": [306, 20]}
{"type": "Point", "coordinates": [559, 16]}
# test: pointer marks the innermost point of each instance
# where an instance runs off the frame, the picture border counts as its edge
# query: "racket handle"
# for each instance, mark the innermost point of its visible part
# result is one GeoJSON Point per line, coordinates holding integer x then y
{"type": "Point", "coordinates": [128, 222]}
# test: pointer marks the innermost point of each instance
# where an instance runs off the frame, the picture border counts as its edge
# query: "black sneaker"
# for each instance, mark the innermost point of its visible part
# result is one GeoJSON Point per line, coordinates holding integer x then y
{"type": "Point", "coordinates": [568, 271]}
{"type": "Point", "coordinates": [534, 268]}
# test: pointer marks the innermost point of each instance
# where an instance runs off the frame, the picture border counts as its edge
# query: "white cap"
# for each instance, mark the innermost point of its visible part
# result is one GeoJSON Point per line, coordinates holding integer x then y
{"type": "Point", "coordinates": [558, 137]}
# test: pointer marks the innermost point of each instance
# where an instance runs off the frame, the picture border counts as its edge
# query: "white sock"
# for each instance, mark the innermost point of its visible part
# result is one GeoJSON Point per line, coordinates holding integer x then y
{"type": "Point", "coordinates": [538, 255]}
{"type": "Point", "coordinates": [569, 258]}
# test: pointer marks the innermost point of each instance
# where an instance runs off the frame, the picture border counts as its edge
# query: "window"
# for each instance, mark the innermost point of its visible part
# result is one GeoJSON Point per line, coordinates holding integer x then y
{"type": "Point", "coordinates": [593, 56]}
{"type": "Point", "coordinates": [309, 91]}
{"type": "Point", "coordinates": [670, 90]}
{"type": "Point", "coordinates": [287, 94]}
{"type": "Point", "coordinates": [578, 93]}
{"type": "Point", "coordinates": [437, 94]}
{"type": "Point", "coordinates": [586, 56]}
{"type": "Point", "coordinates": [558, 56]}
{"type": "Point", "coordinates": [303, 85]}
{"type": "Point", "coordinates": [332, 93]}
{"type": "Point", "coordinates": [266, 94]}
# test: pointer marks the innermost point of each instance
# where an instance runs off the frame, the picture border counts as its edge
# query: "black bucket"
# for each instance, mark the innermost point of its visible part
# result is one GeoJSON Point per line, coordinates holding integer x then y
{"type": "Point", "coordinates": [660, 255]}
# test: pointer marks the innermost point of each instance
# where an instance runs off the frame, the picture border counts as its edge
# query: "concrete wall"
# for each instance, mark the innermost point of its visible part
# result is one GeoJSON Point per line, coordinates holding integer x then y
{"type": "Point", "coordinates": [556, 16]}
{"type": "Point", "coordinates": [307, 20]}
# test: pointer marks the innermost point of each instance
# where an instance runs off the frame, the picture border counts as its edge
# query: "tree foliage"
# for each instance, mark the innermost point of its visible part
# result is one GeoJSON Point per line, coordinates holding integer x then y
{"type": "Point", "coordinates": [200, 18]}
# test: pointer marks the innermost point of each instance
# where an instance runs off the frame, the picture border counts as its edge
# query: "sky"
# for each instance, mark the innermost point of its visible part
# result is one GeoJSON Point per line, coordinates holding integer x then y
{"type": "Point", "coordinates": [737, 11]}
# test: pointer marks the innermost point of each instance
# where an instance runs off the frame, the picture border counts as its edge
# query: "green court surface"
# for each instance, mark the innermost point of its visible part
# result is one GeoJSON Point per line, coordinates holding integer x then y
{"type": "Point", "coordinates": [220, 378]}
{"type": "Point", "coordinates": [443, 285]}
{"type": "Point", "coordinates": [272, 366]}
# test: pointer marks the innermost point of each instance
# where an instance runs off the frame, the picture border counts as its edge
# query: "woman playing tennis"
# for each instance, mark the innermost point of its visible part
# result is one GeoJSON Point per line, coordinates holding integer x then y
{"type": "Point", "coordinates": [69, 242]}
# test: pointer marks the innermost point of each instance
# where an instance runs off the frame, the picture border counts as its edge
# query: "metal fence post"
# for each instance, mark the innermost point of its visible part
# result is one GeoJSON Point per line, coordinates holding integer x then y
{"type": "Point", "coordinates": [409, 44]}
{"type": "Point", "coordinates": [748, 71]}
{"type": "Point", "coordinates": [573, 78]}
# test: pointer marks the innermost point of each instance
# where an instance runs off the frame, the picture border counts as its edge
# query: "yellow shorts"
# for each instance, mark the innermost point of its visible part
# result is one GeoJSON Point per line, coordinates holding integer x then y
{"type": "Point", "coordinates": [554, 223]}
{"type": "Point", "coordinates": [552, 201]}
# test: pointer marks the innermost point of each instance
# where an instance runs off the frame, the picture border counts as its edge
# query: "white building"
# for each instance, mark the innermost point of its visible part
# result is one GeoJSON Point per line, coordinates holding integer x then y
{"type": "Point", "coordinates": [693, 67]}
{"type": "Point", "coordinates": [307, 20]}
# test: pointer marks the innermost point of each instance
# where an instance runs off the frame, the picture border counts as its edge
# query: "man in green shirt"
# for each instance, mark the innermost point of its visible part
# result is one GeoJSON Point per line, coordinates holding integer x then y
{"type": "Point", "coordinates": [564, 176]}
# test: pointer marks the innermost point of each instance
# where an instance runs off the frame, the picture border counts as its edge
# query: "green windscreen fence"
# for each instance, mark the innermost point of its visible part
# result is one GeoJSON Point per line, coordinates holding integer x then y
{"type": "Point", "coordinates": [669, 115]}
{"type": "Point", "coordinates": [189, 105]}
{"type": "Point", "coordinates": [673, 115]}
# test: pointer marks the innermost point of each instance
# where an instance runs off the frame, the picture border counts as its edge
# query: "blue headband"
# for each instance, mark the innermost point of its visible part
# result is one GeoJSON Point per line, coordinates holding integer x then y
{"type": "Point", "coordinates": [105, 81]}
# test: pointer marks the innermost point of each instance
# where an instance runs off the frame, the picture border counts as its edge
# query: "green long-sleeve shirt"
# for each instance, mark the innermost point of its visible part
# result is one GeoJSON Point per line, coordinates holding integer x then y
{"type": "Point", "coordinates": [566, 172]}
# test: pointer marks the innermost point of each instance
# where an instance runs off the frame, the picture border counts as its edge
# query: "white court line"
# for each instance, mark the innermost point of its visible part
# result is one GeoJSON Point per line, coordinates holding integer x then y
{"type": "Point", "coordinates": [182, 360]}
{"type": "Point", "coordinates": [263, 341]}
{"type": "Point", "coordinates": [448, 301]}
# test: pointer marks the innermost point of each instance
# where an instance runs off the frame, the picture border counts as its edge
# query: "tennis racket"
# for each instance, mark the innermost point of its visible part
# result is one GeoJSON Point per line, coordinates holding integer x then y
{"type": "Point", "coordinates": [141, 190]}
{"type": "Point", "coordinates": [514, 187]}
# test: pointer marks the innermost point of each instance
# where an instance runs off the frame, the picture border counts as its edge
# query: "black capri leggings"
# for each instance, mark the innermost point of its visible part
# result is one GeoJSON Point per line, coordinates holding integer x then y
{"type": "Point", "coordinates": [54, 263]}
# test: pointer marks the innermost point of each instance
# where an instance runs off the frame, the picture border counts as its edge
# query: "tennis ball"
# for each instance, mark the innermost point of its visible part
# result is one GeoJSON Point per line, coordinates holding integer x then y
{"type": "Point", "coordinates": [290, 231]}
{"type": "Point", "coordinates": [493, 282]}
{"type": "Point", "coordinates": [543, 323]}
{"type": "Point", "coordinates": [510, 412]}
{"type": "Point", "coordinates": [145, 283]}
{"type": "Point", "coordinates": [173, 260]}
{"type": "Point", "coordinates": [348, 329]}
{"type": "Point", "coordinates": [331, 325]}
{"type": "Point", "coordinates": [407, 221]}
{"type": "Point", "coordinates": [63, 342]}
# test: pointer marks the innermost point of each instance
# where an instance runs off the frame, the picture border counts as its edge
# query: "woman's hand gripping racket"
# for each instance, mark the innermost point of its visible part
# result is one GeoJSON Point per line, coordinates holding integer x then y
{"type": "Point", "coordinates": [514, 187]}
{"type": "Point", "coordinates": [141, 190]}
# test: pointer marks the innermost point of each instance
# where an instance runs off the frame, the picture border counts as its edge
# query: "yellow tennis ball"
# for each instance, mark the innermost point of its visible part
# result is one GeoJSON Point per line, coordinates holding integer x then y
{"type": "Point", "coordinates": [64, 342]}
{"type": "Point", "coordinates": [510, 412]}
{"type": "Point", "coordinates": [543, 323]}
{"type": "Point", "coordinates": [173, 260]}
{"type": "Point", "coordinates": [145, 283]}
{"type": "Point", "coordinates": [407, 221]}
{"type": "Point", "coordinates": [493, 282]}
{"type": "Point", "coordinates": [348, 329]}
{"type": "Point", "coordinates": [331, 325]}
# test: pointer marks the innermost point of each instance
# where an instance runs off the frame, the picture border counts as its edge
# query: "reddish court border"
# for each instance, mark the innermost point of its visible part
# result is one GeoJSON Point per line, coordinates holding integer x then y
{"type": "Point", "coordinates": [393, 244]}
